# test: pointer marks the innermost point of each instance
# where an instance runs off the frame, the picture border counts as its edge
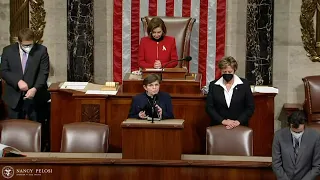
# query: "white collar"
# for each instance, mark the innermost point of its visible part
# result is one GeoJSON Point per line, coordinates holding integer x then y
{"type": "Point", "coordinates": [236, 81]}
{"type": "Point", "coordinates": [20, 49]}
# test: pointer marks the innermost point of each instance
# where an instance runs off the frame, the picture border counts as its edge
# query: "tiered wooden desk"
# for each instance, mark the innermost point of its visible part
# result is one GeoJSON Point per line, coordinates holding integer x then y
{"type": "Point", "coordinates": [173, 86]}
{"type": "Point", "coordinates": [69, 106]}
{"type": "Point", "coordinates": [65, 166]}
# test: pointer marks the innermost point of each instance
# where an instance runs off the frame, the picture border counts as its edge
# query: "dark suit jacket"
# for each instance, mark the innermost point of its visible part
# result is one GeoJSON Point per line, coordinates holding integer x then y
{"type": "Point", "coordinates": [141, 103]}
{"type": "Point", "coordinates": [307, 166]}
{"type": "Point", "coordinates": [36, 73]}
{"type": "Point", "coordinates": [241, 105]}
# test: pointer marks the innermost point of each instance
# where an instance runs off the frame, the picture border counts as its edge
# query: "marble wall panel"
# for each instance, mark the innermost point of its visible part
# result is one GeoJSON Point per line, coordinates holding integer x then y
{"type": "Point", "coordinates": [259, 54]}
{"type": "Point", "coordinates": [80, 20]}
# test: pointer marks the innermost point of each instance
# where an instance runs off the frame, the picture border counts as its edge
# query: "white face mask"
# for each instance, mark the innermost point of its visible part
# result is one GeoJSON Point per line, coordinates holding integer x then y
{"type": "Point", "coordinates": [26, 49]}
{"type": "Point", "coordinates": [296, 135]}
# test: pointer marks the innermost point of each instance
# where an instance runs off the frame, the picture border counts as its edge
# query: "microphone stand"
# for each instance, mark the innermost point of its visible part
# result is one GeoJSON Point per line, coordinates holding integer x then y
{"type": "Point", "coordinates": [152, 118]}
{"type": "Point", "coordinates": [152, 109]}
{"type": "Point", "coordinates": [166, 64]}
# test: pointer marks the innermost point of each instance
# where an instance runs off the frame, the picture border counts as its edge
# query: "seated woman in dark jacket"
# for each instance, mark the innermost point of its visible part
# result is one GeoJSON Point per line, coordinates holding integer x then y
{"type": "Point", "coordinates": [152, 102]}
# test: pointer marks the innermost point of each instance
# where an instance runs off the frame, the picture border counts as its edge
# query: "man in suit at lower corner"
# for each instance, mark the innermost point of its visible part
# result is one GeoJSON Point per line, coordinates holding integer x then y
{"type": "Point", "coordinates": [25, 70]}
{"type": "Point", "coordinates": [296, 150]}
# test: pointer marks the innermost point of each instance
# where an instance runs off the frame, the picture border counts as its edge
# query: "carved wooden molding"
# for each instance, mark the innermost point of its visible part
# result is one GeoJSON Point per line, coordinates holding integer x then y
{"type": "Point", "coordinates": [19, 18]}
{"type": "Point", "coordinates": [308, 10]}
{"type": "Point", "coordinates": [90, 113]}
{"type": "Point", "coordinates": [37, 21]}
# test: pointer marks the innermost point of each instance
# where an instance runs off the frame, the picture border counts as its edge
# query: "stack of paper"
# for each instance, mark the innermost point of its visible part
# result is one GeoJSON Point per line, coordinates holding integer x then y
{"type": "Point", "coordinates": [264, 89]}
{"type": "Point", "coordinates": [101, 92]}
{"type": "Point", "coordinates": [74, 85]}
{"type": "Point", "coordinates": [152, 69]}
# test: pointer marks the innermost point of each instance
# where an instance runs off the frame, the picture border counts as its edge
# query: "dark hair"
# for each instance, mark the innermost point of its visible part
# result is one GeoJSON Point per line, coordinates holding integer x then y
{"type": "Point", "coordinates": [25, 34]}
{"type": "Point", "coordinates": [151, 78]}
{"type": "Point", "coordinates": [297, 118]}
{"type": "Point", "coordinates": [155, 23]}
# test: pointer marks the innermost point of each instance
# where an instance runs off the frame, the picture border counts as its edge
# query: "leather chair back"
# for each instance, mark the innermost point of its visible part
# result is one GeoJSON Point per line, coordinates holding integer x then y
{"type": "Point", "coordinates": [178, 27]}
{"type": "Point", "coordinates": [25, 135]}
{"type": "Point", "coordinates": [85, 137]}
{"type": "Point", "coordinates": [312, 98]}
{"type": "Point", "coordinates": [235, 142]}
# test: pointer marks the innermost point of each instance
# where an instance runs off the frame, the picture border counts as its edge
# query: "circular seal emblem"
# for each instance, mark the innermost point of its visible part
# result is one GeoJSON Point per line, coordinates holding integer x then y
{"type": "Point", "coordinates": [7, 172]}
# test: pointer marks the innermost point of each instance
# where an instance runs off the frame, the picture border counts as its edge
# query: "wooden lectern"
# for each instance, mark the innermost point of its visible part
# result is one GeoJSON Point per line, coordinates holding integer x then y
{"type": "Point", "coordinates": [160, 140]}
{"type": "Point", "coordinates": [167, 73]}
{"type": "Point", "coordinates": [190, 85]}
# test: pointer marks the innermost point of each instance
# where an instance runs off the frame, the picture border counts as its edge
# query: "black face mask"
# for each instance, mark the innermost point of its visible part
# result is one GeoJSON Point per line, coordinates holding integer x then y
{"type": "Point", "coordinates": [227, 77]}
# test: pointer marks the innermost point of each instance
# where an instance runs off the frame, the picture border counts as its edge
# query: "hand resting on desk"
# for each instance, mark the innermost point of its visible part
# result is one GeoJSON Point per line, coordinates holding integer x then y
{"type": "Point", "coordinates": [137, 72]}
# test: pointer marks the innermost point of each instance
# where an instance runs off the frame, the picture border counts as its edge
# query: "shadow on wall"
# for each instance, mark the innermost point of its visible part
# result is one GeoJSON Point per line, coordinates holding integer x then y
{"type": "Point", "coordinates": [300, 93]}
{"type": "Point", "coordinates": [51, 71]}
{"type": "Point", "coordinates": [283, 118]}
{"type": "Point", "coordinates": [4, 10]}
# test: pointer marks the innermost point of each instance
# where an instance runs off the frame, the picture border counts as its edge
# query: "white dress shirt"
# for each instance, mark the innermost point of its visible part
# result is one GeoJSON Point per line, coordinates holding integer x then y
{"type": "Point", "coordinates": [228, 94]}
{"type": "Point", "coordinates": [21, 53]}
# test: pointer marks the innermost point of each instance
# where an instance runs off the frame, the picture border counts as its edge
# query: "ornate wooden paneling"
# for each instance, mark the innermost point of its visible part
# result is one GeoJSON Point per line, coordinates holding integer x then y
{"type": "Point", "coordinates": [19, 17]}
{"type": "Point", "coordinates": [90, 113]}
{"type": "Point", "coordinates": [27, 14]}
{"type": "Point", "coordinates": [310, 36]}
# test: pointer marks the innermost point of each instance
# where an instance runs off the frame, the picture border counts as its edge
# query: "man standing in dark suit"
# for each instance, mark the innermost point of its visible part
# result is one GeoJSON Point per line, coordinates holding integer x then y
{"type": "Point", "coordinates": [296, 150]}
{"type": "Point", "coordinates": [25, 69]}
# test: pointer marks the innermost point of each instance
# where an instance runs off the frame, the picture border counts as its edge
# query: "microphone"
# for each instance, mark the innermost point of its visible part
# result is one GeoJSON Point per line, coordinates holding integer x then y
{"type": "Point", "coordinates": [188, 58]}
{"type": "Point", "coordinates": [154, 101]}
{"type": "Point", "coordinates": [155, 98]}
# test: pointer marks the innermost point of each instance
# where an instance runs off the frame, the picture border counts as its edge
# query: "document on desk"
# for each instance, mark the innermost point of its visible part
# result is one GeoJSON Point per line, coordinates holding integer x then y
{"type": "Point", "coordinates": [101, 92]}
{"type": "Point", "coordinates": [74, 85]}
{"type": "Point", "coordinates": [8, 151]}
{"type": "Point", "coordinates": [152, 69]}
{"type": "Point", "coordinates": [264, 89]}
